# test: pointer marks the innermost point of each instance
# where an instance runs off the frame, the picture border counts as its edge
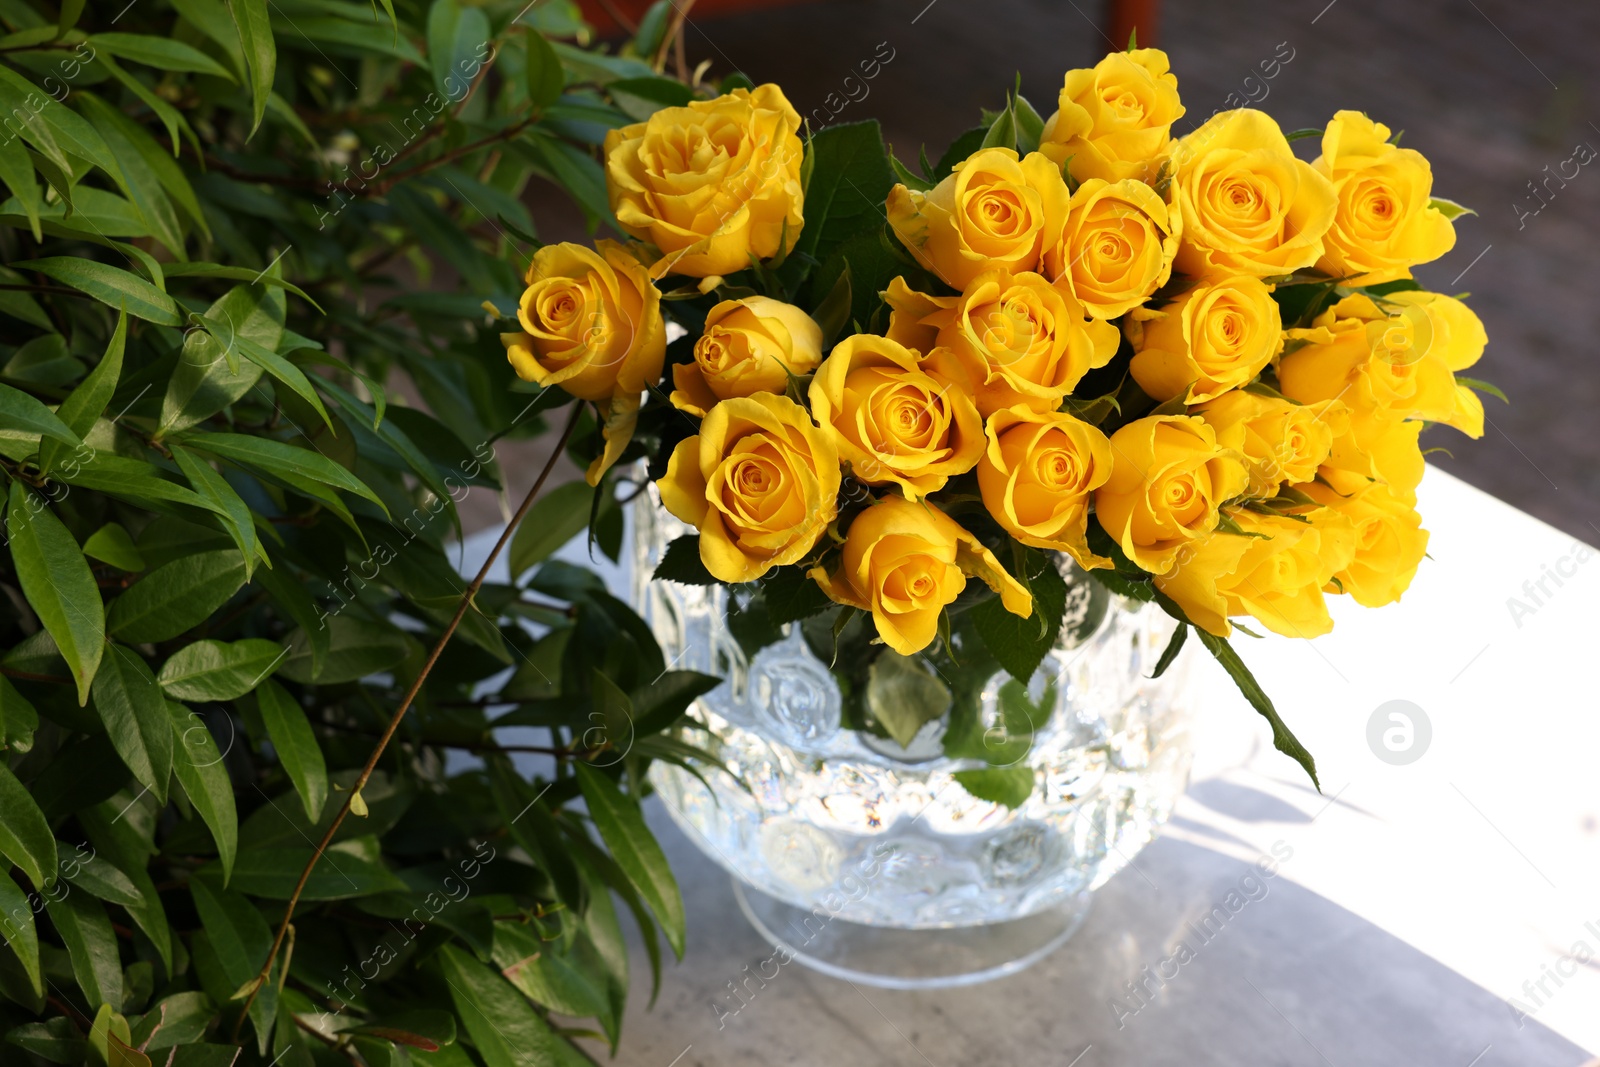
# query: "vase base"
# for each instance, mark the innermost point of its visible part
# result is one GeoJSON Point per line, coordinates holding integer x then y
{"type": "Point", "coordinates": [898, 958]}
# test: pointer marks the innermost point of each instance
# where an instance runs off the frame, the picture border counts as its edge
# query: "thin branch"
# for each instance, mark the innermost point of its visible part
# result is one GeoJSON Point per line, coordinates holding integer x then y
{"type": "Point", "coordinates": [674, 32]}
{"type": "Point", "coordinates": [400, 712]}
{"type": "Point", "coordinates": [454, 154]}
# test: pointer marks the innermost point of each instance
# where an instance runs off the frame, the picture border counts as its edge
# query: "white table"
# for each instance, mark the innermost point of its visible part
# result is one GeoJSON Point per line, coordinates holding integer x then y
{"type": "Point", "coordinates": [1417, 901]}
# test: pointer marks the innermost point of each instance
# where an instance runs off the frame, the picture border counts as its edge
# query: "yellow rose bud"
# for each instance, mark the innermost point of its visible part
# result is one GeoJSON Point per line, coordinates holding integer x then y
{"type": "Point", "coordinates": [1249, 206]}
{"type": "Point", "coordinates": [1026, 341]}
{"type": "Point", "coordinates": [760, 482]}
{"type": "Point", "coordinates": [894, 417]}
{"type": "Point", "coordinates": [1384, 224]}
{"type": "Point", "coordinates": [1113, 120]}
{"type": "Point", "coordinates": [1168, 478]}
{"type": "Point", "coordinates": [1116, 247]}
{"type": "Point", "coordinates": [1387, 369]}
{"type": "Point", "coordinates": [1215, 337]}
{"type": "Point", "coordinates": [1038, 476]}
{"type": "Point", "coordinates": [994, 210]}
{"type": "Point", "coordinates": [904, 562]}
{"type": "Point", "coordinates": [1389, 539]}
{"type": "Point", "coordinates": [712, 183]}
{"type": "Point", "coordinates": [749, 346]}
{"type": "Point", "coordinates": [1282, 441]}
{"type": "Point", "coordinates": [1275, 572]}
{"type": "Point", "coordinates": [594, 327]}
{"type": "Point", "coordinates": [1381, 450]}
{"type": "Point", "coordinates": [1458, 338]}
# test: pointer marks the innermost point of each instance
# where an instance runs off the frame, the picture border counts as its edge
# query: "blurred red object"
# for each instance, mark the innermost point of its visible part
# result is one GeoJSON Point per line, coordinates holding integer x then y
{"type": "Point", "coordinates": [603, 14]}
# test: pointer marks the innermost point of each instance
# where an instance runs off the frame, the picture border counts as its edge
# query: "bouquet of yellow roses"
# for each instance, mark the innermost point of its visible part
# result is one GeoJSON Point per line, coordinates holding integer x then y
{"type": "Point", "coordinates": [1195, 367]}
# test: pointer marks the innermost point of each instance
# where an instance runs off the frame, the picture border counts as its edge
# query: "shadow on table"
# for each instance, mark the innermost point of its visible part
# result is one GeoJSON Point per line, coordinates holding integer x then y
{"type": "Point", "coordinates": [1269, 973]}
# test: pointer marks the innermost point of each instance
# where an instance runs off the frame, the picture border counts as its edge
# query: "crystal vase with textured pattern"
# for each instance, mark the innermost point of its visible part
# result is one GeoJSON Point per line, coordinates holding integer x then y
{"type": "Point", "coordinates": [868, 859]}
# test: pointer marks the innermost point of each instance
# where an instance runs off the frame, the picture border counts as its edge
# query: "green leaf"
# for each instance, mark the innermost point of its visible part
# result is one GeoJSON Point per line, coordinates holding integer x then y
{"type": "Point", "coordinates": [1282, 738]}
{"type": "Point", "coordinates": [833, 313]}
{"type": "Point", "coordinates": [269, 361]}
{"type": "Point", "coordinates": [660, 704]}
{"type": "Point", "coordinates": [110, 285]}
{"type": "Point", "coordinates": [237, 274]}
{"type": "Point", "coordinates": [56, 580]}
{"type": "Point", "coordinates": [1449, 208]}
{"type": "Point", "coordinates": [260, 51]}
{"type": "Point", "coordinates": [240, 940]}
{"type": "Point", "coordinates": [1030, 125]}
{"type": "Point", "coordinates": [291, 597]}
{"type": "Point", "coordinates": [198, 764]}
{"type": "Point", "coordinates": [296, 745]}
{"type": "Point", "coordinates": [356, 648]}
{"type": "Point", "coordinates": [135, 715]}
{"type": "Point", "coordinates": [1303, 134]}
{"type": "Point", "coordinates": [162, 53]}
{"type": "Point", "coordinates": [20, 935]}
{"type": "Point", "coordinates": [634, 848]}
{"type": "Point", "coordinates": [1174, 646]}
{"type": "Point", "coordinates": [58, 1040]}
{"type": "Point", "coordinates": [681, 563]}
{"type": "Point", "coordinates": [133, 174]}
{"type": "Point", "coordinates": [1020, 644]}
{"type": "Point", "coordinates": [1482, 387]}
{"type": "Point", "coordinates": [202, 1054]}
{"type": "Point", "coordinates": [283, 461]}
{"type": "Point", "coordinates": [456, 35]}
{"type": "Point", "coordinates": [88, 401]}
{"type": "Point", "coordinates": [1010, 786]}
{"type": "Point", "coordinates": [350, 868]}
{"type": "Point", "coordinates": [18, 720]}
{"type": "Point", "coordinates": [1003, 131]}
{"type": "Point", "coordinates": [16, 171]}
{"type": "Point", "coordinates": [176, 1020]}
{"type": "Point", "coordinates": [555, 518]}
{"type": "Point", "coordinates": [112, 831]}
{"type": "Point", "coordinates": [99, 878]}
{"type": "Point", "coordinates": [903, 695]}
{"type": "Point", "coordinates": [176, 596]}
{"type": "Point", "coordinates": [215, 489]}
{"type": "Point", "coordinates": [22, 413]}
{"type": "Point", "coordinates": [111, 545]}
{"type": "Point", "coordinates": [91, 946]}
{"type": "Point", "coordinates": [849, 183]}
{"type": "Point", "coordinates": [504, 1028]}
{"type": "Point", "coordinates": [545, 975]}
{"type": "Point", "coordinates": [220, 670]}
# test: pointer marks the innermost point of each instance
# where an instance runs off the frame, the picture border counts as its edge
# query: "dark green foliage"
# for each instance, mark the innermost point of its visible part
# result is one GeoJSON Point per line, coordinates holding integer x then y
{"type": "Point", "coordinates": [225, 545]}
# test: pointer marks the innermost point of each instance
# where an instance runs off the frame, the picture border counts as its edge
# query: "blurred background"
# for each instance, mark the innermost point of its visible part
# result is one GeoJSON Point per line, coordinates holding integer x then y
{"type": "Point", "coordinates": [1499, 95]}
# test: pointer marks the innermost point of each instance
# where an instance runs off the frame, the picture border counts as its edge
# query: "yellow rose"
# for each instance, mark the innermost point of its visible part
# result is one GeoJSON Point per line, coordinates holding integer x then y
{"type": "Point", "coordinates": [1038, 475]}
{"type": "Point", "coordinates": [1456, 336]}
{"type": "Point", "coordinates": [1113, 121]}
{"type": "Point", "coordinates": [894, 417]}
{"type": "Point", "coordinates": [760, 482]}
{"type": "Point", "coordinates": [1215, 337]}
{"type": "Point", "coordinates": [993, 210]}
{"type": "Point", "coordinates": [1274, 572]}
{"type": "Point", "coordinates": [1282, 441]}
{"type": "Point", "coordinates": [1026, 341]}
{"type": "Point", "coordinates": [1387, 369]}
{"type": "Point", "coordinates": [749, 346]}
{"type": "Point", "coordinates": [1116, 247]}
{"type": "Point", "coordinates": [1389, 539]}
{"type": "Point", "coordinates": [1383, 450]}
{"type": "Point", "coordinates": [712, 183]}
{"type": "Point", "coordinates": [1168, 478]}
{"type": "Point", "coordinates": [905, 562]}
{"type": "Point", "coordinates": [593, 326]}
{"type": "Point", "coordinates": [1249, 206]}
{"type": "Point", "coordinates": [1384, 224]}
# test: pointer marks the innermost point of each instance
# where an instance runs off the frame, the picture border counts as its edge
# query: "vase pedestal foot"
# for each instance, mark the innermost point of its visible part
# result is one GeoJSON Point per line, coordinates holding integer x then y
{"type": "Point", "coordinates": [899, 958]}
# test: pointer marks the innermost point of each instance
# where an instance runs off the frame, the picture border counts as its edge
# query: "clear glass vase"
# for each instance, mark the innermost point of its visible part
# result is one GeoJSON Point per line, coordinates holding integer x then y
{"type": "Point", "coordinates": [870, 861]}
